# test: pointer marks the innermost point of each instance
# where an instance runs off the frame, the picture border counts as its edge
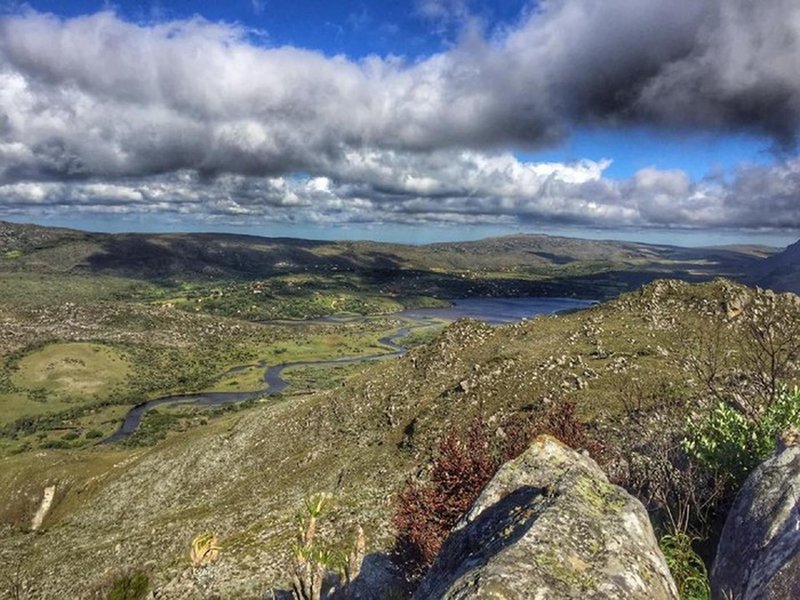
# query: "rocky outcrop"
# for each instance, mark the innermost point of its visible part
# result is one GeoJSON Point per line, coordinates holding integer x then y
{"type": "Point", "coordinates": [759, 552]}
{"type": "Point", "coordinates": [550, 525]}
{"type": "Point", "coordinates": [47, 501]}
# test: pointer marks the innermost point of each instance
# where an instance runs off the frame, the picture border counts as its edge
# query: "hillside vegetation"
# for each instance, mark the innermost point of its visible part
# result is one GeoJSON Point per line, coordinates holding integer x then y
{"type": "Point", "coordinates": [637, 368]}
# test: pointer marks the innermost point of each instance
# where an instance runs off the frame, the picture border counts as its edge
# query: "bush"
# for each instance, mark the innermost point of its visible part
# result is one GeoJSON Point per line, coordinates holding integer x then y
{"type": "Point", "coordinates": [687, 568]}
{"type": "Point", "coordinates": [425, 514]}
{"type": "Point", "coordinates": [129, 587]}
{"type": "Point", "coordinates": [729, 443]}
{"type": "Point", "coordinates": [55, 444]}
{"type": "Point", "coordinates": [561, 421]}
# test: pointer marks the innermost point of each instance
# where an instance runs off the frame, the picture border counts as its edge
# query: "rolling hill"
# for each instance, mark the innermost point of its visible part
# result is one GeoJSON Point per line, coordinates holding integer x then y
{"type": "Point", "coordinates": [514, 265]}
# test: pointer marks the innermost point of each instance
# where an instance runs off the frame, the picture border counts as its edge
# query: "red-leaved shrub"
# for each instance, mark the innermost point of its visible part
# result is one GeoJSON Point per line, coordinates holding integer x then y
{"type": "Point", "coordinates": [559, 420]}
{"type": "Point", "coordinates": [425, 513]}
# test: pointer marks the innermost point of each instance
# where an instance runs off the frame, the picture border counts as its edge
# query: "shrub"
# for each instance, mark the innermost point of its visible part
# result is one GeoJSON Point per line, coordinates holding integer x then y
{"type": "Point", "coordinates": [679, 494]}
{"type": "Point", "coordinates": [687, 568]}
{"type": "Point", "coordinates": [425, 513]}
{"type": "Point", "coordinates": [729, 443]}
{"type": "Point", "coordinates": [132, 586]}
{"type": "Point", "coordinates": [561, 421]}
{"type": "Point", "coordinates": [55, 444]}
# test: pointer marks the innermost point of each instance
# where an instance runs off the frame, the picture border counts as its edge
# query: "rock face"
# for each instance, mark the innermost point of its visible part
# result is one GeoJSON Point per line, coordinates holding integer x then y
{"type": "Point", "coordinates": [549, 525]}
{"type": "Point", "coordinates": [759, 552]}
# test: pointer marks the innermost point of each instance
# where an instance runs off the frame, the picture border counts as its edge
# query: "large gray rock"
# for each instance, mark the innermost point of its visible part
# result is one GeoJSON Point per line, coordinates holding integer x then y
{"type": "Point", "coordinates": [549, 525]}
{"type": "Point", "coordinates": [758, 556]}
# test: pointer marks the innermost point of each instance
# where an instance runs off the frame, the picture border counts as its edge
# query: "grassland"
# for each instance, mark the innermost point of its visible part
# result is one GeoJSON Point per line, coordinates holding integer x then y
{"type": "Point", "coordinates": [86, 348]}
{"type": "Point", "coordinates": [72, 369]}
{"type": "Point", "coordinates": [57, 377]}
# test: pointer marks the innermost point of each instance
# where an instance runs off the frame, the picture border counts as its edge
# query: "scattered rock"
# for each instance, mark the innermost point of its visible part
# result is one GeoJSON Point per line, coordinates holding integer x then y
{"type": "Point", "coordinates": [550, 525]}
{"type": "Point", "coordinates": [47, 501]}
{"type": "Point", "coordinates": [758, 556]}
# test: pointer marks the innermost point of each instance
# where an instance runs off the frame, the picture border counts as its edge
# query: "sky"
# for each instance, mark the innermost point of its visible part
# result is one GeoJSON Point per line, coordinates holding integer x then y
{"type": "Point", "coordinates": [408, 121]}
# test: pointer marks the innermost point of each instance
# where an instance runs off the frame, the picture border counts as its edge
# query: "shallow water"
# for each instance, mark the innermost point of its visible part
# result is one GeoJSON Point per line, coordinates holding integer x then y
{"type": "Point", "coordinates": [491, 310]}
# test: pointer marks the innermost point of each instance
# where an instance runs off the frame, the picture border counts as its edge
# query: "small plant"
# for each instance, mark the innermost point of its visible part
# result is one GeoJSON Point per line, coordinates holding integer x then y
{"type": "Point", "coordinates": [13, 582]}
{"type": "Point", "coordinates": [129, 583]}
{"type": "Point", "coordinates": [310, 561]}
{"type": "Point", "coordinates": [132, 586]}
{"type": "Point", "coordinates": [354, 560]}
{"type": "Point", "coordinates": [204, 550]}
{"type": "Point", "coordinates": [686, 567]}
{"type": "Point", "coordinates": [313, 561]}
{"type": "Point", "coordinates": [203, 553]}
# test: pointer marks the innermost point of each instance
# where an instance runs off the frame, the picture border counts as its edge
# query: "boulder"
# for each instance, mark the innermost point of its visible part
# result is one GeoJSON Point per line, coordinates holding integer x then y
{"type": "Point", "coordinates": [759, 552]}
{"type": "Point", "coordinates": [549, 525]}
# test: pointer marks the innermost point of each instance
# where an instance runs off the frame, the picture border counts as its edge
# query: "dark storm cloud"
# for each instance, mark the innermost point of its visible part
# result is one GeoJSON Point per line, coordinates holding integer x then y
{"type": "Point", "coordinates": [97, 101]}
{"type": "Point", "coordinates": [97, 95]}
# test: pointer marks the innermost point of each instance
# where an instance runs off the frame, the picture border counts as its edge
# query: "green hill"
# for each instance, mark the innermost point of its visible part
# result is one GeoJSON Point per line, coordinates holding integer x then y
{"type": "Point", "coordinates": [266, 278]}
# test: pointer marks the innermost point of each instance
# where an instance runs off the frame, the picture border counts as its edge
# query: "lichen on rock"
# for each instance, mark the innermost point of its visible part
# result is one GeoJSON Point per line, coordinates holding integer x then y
{"type": "Point", "coordinates": [550, 525]}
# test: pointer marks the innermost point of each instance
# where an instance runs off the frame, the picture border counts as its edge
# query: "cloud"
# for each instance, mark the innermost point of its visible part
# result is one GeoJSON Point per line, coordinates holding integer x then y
{"type": "Point", "coordinates": [443, 11]}
{"type": "Point", "coordinates": [445, 188]}
{"type": "Point", "coordinates": [194, 107]}
{"type": "Point", "coordinates": [100, 96]}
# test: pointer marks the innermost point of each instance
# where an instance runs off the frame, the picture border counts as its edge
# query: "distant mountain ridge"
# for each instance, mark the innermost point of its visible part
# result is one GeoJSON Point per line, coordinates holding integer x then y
{"type": "Point", "coordinates": [781, 271]}
{"type": "Point", "coordinates": [536, 264]}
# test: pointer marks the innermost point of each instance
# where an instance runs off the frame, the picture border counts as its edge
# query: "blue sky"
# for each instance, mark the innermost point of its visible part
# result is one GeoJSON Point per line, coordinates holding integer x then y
{"type": "Point", "coordinates": [422, 120]}
{"type": "Point", "coordinates": [698, 154]}
{"type": "Point", "coordinates": [356, 28]}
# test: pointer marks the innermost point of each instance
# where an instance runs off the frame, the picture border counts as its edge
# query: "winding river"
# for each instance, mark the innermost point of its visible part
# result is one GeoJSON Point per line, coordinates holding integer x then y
{"type": "Point", "coordinates": [491, 310]}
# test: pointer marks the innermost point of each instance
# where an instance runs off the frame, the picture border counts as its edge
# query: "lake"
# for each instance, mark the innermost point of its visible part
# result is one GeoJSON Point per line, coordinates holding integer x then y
{"type": "Point", "coordinates": [498, 310]}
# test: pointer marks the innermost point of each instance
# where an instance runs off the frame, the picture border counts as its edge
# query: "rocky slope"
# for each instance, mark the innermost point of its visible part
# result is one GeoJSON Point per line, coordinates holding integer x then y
{"type": "Point", "coordinates": [634, 367]}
